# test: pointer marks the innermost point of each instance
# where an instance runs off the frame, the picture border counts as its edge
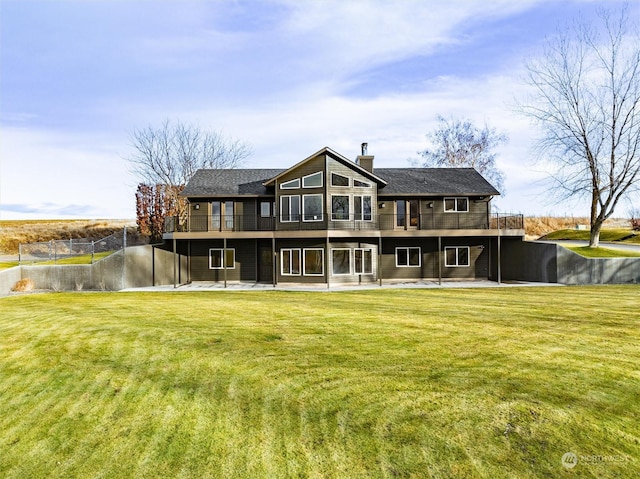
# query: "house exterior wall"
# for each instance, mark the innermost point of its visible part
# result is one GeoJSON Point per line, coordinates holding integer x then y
{"type": "Point", "coordinates": [244, 267]}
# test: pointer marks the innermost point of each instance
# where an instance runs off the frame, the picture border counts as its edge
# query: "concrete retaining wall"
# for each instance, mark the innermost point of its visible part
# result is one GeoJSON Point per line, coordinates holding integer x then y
{"type": "Point", "coordinates": [576, 269]}
{"type": "Point", "coordinates": [140, 266]}
{"type": "Point", "coordinates": [551, 263]}
{"type": "Point", "coordinates": [132, 267]}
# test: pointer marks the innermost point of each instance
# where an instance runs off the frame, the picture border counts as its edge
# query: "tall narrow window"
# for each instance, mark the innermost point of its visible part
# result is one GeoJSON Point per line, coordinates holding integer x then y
{"type": "Point", "coordinates": [363, 261]}
{"type": "Point", "coordinates": [228, 215]}
{"type": "Point", "coordinates": [216, 212]}
{"type": "Point", "coordinates": [401, 213]}
{"type": "Point", "coordinates": [290, 262]}
{"type": "Point", "coordinates": [289, 208]}
{"type": "Point", "coordinates": [362, 207]}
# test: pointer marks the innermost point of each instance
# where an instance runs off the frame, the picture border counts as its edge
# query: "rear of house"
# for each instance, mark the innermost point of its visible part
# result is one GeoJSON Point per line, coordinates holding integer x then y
{"type": "Point", "coordinates": [329, 220]}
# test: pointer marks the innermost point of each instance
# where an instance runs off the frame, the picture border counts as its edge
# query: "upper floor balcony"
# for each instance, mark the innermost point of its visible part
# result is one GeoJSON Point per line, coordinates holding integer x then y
{"type": "Point", "coordinates": [383, 222]}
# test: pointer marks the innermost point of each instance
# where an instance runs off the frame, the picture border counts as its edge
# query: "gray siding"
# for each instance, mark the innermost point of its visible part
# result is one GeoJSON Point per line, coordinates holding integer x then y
{"type": "Point", "coordinates": [245, 260]}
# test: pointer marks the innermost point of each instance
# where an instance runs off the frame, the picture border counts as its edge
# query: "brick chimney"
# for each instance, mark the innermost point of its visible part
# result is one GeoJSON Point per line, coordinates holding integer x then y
{"type": "Point", "coordinates": [365, 160]}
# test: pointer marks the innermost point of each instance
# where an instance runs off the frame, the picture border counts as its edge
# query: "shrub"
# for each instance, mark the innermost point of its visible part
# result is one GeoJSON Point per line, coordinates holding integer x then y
{"type": "Point", "coordinates": [23, 285]}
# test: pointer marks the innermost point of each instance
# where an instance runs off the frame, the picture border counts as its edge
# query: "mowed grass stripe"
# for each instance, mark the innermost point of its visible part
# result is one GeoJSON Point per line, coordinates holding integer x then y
{"type": "Point", "coordinates": [390, 383]}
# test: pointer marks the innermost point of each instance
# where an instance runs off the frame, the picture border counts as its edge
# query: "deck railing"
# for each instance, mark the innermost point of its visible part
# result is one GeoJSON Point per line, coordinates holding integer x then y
{"type": "Point", "coordinates": [449, 221]}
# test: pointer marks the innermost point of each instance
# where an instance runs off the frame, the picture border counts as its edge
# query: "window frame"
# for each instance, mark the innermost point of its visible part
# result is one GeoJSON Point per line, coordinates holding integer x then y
{"type": "Point", "coordinates": [408, 249]}
{"type": "Point", "coordinates": [223, 256]}
{"type": "Point", "coordinates": [349, 272]}
{"type": "Point", "coordinates": [457, 249]}
{"type": "Point", "coordinates": [317, 173]}
{"type": "Point", "coordinates": [289, 214]}
{"type": "Point", "coordinates": [304, 261]}
{"type": "Point", "coordinates": [290, 251]}
{"type": "Point", "coordinates": [362, 262]}
{"type": "Point", "coordinates": [285, 185]}
{"type": "Point", "coordinates": [333, 215]}
{"type": "Point", "coordinates": [304, 213]}
{"type": "Point", "coordinates": [456, 199]}
{"type": "Point", "coordinates": [363, 184]}
{"type": "Point", "coordinates": [341, 176]}
{"type": "Point", "coordinates": [359, 215]}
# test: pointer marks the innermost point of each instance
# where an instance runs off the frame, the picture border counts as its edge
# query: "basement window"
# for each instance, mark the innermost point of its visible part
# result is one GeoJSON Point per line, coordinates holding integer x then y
{"type": "Point", "coordinates": [456, 256]}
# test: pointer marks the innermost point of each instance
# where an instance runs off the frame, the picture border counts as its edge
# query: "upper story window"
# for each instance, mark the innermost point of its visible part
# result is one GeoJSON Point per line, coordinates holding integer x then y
{"type": "Point", "coordinates": [289, 208]}
{"type": "Point", "coordinates": [456, 205]}
{"type": "Point", "coordinates": [312, 181]}
{"type": "Point", "coordinates": [339, 180]}
{"type": "Point", "coordinates": [339, 207]}
{"type": "Point", "coordinates": [290, 185]}
{"type": "Point", "coordinates": [361, 184]}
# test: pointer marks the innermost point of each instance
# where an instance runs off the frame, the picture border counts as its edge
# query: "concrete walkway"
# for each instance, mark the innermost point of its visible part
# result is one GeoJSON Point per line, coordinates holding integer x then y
{"type": "Point", "coordinates": [211, 286]}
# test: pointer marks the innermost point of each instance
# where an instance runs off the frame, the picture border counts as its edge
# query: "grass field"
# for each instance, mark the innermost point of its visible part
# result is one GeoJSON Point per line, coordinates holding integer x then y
{"type": "Point", "coordinates": [621, 235]}
{"type": "Point", "coordinates": [491, 383]}
{"type": "Point", "coordinates": [601, 252]}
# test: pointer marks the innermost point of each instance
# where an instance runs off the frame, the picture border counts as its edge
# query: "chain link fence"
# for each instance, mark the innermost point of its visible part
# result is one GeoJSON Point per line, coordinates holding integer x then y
{"type": "Point", "coordinates": [56, 251]}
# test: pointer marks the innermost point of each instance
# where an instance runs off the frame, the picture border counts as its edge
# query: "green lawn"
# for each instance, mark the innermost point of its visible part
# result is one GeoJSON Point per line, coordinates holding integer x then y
{"type": "Point", "coordinates": [491, 383]}
{"type": "Point", "coordinates": [608, 234]}
{"type": "Point", "coordinates": [601, 252]}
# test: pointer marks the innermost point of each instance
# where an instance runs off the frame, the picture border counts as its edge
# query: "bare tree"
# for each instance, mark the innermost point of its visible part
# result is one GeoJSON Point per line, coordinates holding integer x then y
{"type": "Point", "coordinates": [586, 100]}
{"type": "Point", "coordinates": [171, 154]}
{"type": "Point", "coordinates": [459, 143]}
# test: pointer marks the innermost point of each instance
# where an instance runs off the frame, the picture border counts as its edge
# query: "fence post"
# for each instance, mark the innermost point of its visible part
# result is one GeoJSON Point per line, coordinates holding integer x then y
{"type": "Point", "coordinates": [19, 253]}
{"type": "Point", "coordinates": [93, 250]}
{"type": "Point", "coordinates": [124, 237]}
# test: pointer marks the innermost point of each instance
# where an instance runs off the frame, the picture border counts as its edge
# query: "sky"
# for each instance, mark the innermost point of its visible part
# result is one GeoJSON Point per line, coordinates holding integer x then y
{"type": "Point", "coordinates": [288, 77]}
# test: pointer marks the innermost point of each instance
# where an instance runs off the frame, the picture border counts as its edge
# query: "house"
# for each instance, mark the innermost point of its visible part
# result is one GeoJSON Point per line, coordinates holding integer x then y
{"type": "Point", "coordinates": [328, 219]}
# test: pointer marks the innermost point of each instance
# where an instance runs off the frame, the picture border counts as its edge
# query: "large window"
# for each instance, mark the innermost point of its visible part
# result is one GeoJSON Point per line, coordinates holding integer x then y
{"type": "Point", "coordinates": [456, 256]}
{"type": "Point", "coordinates": [363, 261]}
{"type": "Point", "coordinates": [408, 257]}
{"type": "Point", "coordinates": [362, 207]}
{"type": "Point", "coordinates": [341, 261]}
{"type": "Point", "coordinates": [222, 214]}
{"type": "Point", "coordinates": [312, 181]}
{"type": "Point", "coordinates": [289, 208]}
{"type": "Point", "coordinates": [339, 207]}
{"type": "Point", "coordinates": [219, 260]}
{"type": "Point", "coordinates": [313, 264]}
{"type": "Point", "coordinates": [312, 208]}
{"type": "Point", "coordinates": [456, 205]}
{"type": "Point", "coordinates": [290, 262]}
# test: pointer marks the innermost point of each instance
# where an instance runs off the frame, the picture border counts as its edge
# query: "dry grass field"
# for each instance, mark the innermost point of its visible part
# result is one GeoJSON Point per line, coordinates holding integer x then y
{"type": "Point", "coordinates": [14, 232]}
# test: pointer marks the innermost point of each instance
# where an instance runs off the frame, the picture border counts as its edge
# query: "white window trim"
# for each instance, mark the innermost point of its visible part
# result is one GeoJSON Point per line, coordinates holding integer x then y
{"type": "Point", "coordinates": [364, 185]}
{"type": "Point", "coordinates": [350, 262]}
{"type": "Point", "coordinates": [362, 218]}
{"type": "Point", "coordinates": [407, 248]}
{"type": "Point", "coordinates": [348, 185]}
{"type": "Point", "coordinates": [290, 220]}
{"type": "Point", "coordinates": [319, 173]}
{"type": "Point", "coordinates": [321, 208]}
{"type": "Point", "coordinates": [283, 187]}
{"type": "Point", "coordinates": [304, 260]}
{"type": "Point", "coordinates": [354, 260]}
{"type": "Point", "coordinates": [289, 250]}
{"type": "Point", "coordinates": [223, 257]}
{"type": "Point", "coordinates": [455, 199]}
{"type": "Point", "coordinates": [456, 248]}
{"type": "Point", "coordinates": [349, 199]}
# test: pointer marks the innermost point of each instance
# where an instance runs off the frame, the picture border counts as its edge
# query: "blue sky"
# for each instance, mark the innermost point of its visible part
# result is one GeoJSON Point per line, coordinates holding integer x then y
{"type": "Point", "coordinates": [289, 77]}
